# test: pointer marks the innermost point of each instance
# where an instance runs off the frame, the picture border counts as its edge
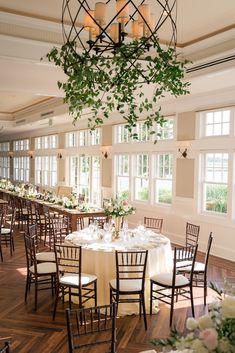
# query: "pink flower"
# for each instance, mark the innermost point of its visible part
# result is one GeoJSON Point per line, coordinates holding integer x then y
{"type": "Point", "coordinates": [125, 202]}
{"type": "Point", "coordinates": [209, 337]}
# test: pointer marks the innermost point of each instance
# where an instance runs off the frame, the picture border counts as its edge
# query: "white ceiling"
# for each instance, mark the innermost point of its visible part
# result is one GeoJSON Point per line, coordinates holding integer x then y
{"type": "Point", "coordinates": [28, 86]}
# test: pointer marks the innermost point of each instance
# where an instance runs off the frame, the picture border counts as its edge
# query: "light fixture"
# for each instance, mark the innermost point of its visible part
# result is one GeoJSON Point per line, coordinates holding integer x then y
{"type": "Point", "coordinates": [30, 153]}
{"type": "Point", "coordinates": [183, 148]}
{"type": "Point", "coordinates": [103, 27]}
{"type": "Point", "coordinates": [10, 154]}
{"type": "Point", "coordinates": [59, 155]}
{"type": "Point", "coordinates": [110, 50]}
{"type": "Point", "coordinates": [105, 151]}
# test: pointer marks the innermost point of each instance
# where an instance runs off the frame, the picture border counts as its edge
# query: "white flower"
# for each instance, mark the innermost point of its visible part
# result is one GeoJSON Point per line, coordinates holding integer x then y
{"type": "Point", "coordinates": [191, 323]}
{"type": "Point", "coordinates": [198, 346]}
{"type": "Point", "coordinates": [228, 307]}
{"type": "Point", "coordinates": [224, 346]}
{"type": "Point", "coordinates": [204, 322]}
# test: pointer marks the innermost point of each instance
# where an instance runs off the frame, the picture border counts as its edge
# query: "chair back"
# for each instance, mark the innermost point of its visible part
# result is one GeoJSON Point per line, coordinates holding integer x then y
{"type": "Point", "coordinates": [3, 213]}
{"type": "Point", "coordinates": [131, 265]}
{"type": "Point", "coordinates": [192, 234]}
{"type": "Point", "coordinates": [93, 326]}
{"type": "Point", "coordinates": [184, 255]}
{"type": "Point", "coordinates": [100, 220]}
{"type": "Point", "coordinates": [208, 249]}
{"type": "Point", "coordinates": [81, 198]}
{"type": "Point", "coordinates": [5, 348]}
{"type": "Point", "coordinates": [33, 233]}
{"type": "Point", "coordinates": [68, 260]}
{"type": "Point", "coordinates": [13, 220]}
{"type": "Point", "coordinates": [30, 251]}
{"type": "Point", "coordinates": [60, 228]}
{"type": "Point", "coordinates": [154, 223]}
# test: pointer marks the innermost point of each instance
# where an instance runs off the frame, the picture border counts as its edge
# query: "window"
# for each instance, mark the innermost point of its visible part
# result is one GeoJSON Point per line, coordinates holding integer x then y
{"type": "Point", "coordinates": [166, 132]}
{"type": "Point", "coordinates": [83, 138]}
{"type": "Point", "coordinates": [5, 146]}
{"type": "Point", "coordinates": [122, 163]}
{"type": "Point", "coordinates": [142, 132]}
{"type": "Point", "coordinates": [122, 134]}
{"type": "Point", "coordinates": [163, 178]}
{"type": "Point", "coordinates": [21, 145]}
{"type": "Point", "coordinates": [141, 183]}
{"type": "Point", "coordinates": [4, 167]}
{"type": "Point", "coordinates": [85, 177]}
{"type": "Point", "coordinates": [215, 182]}
{"type": "Point", "coordinates": [95, 137]}
{"type": "Point", "coordinates": [71, 139]}
{"type": "Point", "coordinates": [21, 169]}
{"type": "Point", "coordinates": [216, 123]}
{"type": "Point", "coordinates": [46, 142]}
{"type": "Point", "coordinates": [46, 170]}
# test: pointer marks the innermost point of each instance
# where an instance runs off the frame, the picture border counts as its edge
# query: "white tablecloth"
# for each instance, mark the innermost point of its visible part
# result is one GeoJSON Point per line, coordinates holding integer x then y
{"type": "Point", "coordinates": [98, 257]}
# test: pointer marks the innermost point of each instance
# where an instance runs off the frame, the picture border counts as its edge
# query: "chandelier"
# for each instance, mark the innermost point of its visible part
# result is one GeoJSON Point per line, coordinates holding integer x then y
{"type": "Point", "coordinates": [111, 51]}
{"type": "Point", "coordinates": [103, 27]}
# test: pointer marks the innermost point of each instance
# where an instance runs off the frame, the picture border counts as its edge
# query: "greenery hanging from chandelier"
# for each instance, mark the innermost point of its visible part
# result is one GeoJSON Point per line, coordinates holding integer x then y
{"type": "Point", "coordinates": [117, 82]}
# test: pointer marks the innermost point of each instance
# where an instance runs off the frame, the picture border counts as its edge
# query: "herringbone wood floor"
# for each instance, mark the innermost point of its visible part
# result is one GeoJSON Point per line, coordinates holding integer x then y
{"type": "Point", "coordinates": [36, 332]}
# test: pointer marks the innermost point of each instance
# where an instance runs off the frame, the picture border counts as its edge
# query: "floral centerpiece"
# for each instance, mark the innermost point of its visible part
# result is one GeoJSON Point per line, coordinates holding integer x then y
{"type": "Point", "coordinates": [71, 201]}
{"type": "Point", "coordinates": [211, 333]}
{"type": "Point", "coordinates": [117, 208]}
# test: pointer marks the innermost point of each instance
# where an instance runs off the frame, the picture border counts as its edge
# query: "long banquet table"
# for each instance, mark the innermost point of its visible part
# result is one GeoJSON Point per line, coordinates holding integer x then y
{"type": "Point", "coordinates": [98, 257]}
{"type": "Point", "coordinates": [73, 214]}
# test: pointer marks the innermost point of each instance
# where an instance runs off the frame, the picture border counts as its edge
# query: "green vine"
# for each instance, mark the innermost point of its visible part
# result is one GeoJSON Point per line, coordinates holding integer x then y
{"type": "Point", "coordinates": [114, 82]}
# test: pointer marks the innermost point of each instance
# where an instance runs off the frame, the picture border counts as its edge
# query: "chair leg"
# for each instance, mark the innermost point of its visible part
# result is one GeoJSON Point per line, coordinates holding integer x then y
{"type": "Point", "coordinates": [36, 294]}
{"type": "Point", "coordinates": [52, 284]}
{"type": "Point", "coordinates": [26, 288]}
{"type": "Point", "coordinates": [172, 306]}
{"type": "Point", "coordinates": [70, 303]}
{"type": "Point", "coordinates": [205, 291]}
{"type": "Point", "coordinates": [56, 301]}
{"type": "Point", "coordinates": [191, 298]}
{"type": "Point", "coordinates": [151, 297]}
{"type": "Point", "coordinates": [95, 292]}
{"type": "Point", "coordinates": [110, 296]}
{"type": "Point", "coordinates": [144, 311]}
{"type": "Point", "coordinates": [1, 251]}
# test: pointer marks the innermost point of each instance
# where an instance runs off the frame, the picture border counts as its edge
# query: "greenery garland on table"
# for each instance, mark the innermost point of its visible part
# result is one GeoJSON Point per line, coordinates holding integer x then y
{"type": "Point", "coordinates": [114, 82]}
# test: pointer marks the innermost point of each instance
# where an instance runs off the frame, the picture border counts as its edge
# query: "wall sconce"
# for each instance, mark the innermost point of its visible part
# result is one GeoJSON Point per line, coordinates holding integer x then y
{"type": "Point", "coordinates": [59, 155]}
{"type": "Point", "coordinates": [30, 153]}
{"type": "Point", "coordinates": [10, 154]}
{"type": "Point", "coordinates": [105, 151]}
{"type": "Point", "coordinates": [183, 148]}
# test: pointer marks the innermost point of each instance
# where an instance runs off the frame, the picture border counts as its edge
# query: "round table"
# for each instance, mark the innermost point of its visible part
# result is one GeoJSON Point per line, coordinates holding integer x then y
{"type": "Point", "coordinates": [98, 257]}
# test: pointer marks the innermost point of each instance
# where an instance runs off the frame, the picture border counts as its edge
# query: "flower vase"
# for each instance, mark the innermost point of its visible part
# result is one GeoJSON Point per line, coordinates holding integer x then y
{"type": "Point", "coordinates": [117, 226]}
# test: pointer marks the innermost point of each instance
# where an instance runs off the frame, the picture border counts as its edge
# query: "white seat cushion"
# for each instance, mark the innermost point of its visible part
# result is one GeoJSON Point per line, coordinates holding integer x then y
{"type": "Point", "coordinates": [44, 268]}
{"type": "Point", "coordinates": [127, 285]}
{"type": "Point", "coordinates": [47, 256]}
{"type": "Point", "coordinates": [183, 264]}
{"type": "Point", "coordinates": [5, 231]}
{"type": "Point", "coordinates": [198, 267]}
{"type": "Point", "coordinates": [166, 279]}
{"type": "Point", "coordinates": [73, 280]}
